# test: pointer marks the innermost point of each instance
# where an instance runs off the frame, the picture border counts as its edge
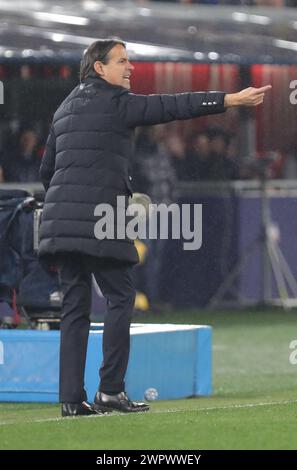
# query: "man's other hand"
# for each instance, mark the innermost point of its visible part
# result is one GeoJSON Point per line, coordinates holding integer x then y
{"type": "Point", "coordinates": [247, 97]}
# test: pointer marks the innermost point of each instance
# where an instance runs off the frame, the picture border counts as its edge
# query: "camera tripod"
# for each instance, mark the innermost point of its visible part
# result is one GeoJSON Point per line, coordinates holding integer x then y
{"type": "Point", "coordinates": [274, 264]}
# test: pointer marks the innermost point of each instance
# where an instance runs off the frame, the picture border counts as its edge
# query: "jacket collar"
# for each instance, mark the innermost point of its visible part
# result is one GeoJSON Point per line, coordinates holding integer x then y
{"type": "Point", "coordinates": [97, 80]}
{"type": "Point", "coordinates": [100, 82]}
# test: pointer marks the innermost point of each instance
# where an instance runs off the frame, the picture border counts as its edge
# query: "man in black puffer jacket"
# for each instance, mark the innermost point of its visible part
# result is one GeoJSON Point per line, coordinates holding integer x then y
{"type": "Point", "coordinates": [86, 163]}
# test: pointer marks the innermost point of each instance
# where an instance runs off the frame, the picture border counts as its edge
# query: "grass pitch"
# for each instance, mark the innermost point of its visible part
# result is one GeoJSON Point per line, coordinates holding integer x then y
{"type": "Point", "coordinates": [254, 404]}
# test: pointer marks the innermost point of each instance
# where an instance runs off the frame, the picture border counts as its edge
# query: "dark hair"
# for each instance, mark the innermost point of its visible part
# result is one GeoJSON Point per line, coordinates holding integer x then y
{"type": "Point", "coordinates": [98, 50]}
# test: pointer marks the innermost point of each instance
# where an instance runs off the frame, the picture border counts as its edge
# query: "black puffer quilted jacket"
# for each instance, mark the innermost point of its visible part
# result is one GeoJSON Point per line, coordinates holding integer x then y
{"type": "Point", "coordinates": [86, 160]}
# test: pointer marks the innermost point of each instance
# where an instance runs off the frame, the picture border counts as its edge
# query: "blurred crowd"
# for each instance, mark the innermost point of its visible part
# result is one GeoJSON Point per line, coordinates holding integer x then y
{"type": "Point", "coordinates": [20, 158]}
{"type": "Point", "coordinates": [162, 157]}
{"type": "Point", "coordinates": [260, 3]}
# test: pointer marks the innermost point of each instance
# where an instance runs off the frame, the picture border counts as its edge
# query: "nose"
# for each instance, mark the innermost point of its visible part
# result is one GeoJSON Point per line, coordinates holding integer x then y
{"type": "Point", "coordinates": [130, 66]}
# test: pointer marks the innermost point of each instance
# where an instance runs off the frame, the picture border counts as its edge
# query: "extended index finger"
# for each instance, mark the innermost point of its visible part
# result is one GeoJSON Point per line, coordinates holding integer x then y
{"type": "Point", "coordinates": [263, 89]}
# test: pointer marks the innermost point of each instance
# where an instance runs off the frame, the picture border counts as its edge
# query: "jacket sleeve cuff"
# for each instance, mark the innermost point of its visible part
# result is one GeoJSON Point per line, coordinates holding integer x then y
{"type": "Point", "coordinates": [213, 102]}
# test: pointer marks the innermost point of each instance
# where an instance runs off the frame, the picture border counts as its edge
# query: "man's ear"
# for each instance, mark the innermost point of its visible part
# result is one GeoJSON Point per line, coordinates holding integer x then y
{"type": "Point", "coordinates": [98, 67]}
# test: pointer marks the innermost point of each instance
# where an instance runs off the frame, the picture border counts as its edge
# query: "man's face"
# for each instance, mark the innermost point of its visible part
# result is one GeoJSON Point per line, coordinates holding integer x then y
{"type": "Point", "coordinates": [118, 69]}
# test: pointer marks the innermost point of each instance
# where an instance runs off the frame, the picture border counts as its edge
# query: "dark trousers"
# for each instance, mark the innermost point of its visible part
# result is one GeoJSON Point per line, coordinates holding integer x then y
{"type": "Point", "coordinates": [116, 283]}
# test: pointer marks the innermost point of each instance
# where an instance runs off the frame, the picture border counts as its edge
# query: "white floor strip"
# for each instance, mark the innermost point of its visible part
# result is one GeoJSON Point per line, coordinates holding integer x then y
{"type": "Point", "coordinates": [209, 408]}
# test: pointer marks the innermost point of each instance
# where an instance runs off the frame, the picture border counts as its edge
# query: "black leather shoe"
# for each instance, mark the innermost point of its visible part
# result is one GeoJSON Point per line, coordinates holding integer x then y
{"type": "Point", "coordinates": [119, 402]}
{"type": "Point", "coordinates": [79, 409]}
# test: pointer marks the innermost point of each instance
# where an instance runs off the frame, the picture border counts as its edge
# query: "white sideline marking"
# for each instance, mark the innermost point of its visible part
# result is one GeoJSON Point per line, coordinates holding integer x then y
{"type": "Point", "coordinates": [209, 408]}
{"type": "Point", "coordinates": [144, 328]}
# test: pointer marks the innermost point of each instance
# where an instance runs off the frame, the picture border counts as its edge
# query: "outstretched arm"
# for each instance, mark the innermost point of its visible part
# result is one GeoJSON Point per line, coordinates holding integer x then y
{"type": "Point", "coordinates": [143, 110]}
{"type": "Point", "coordinates": [247, 97]}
